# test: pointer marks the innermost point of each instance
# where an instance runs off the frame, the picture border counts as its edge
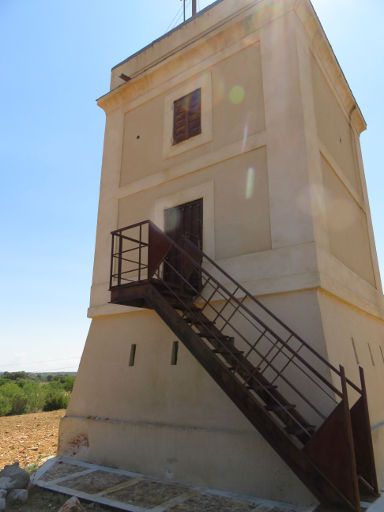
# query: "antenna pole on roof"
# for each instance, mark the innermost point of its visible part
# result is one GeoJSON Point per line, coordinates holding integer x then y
{"type": "Point", "coordinates": [194, 7]}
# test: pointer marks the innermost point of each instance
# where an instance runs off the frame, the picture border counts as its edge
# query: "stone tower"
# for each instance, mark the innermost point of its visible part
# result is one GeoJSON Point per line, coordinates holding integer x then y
{"type": "Point", "coordinates": [242, 116]}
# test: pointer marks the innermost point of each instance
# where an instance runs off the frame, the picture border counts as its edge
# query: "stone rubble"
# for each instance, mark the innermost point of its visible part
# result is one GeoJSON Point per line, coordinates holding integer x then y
{"type": "Point", "coordinates": [72, 505]}
{"type": "Point", "coordinates": [18, 478]}
{"type": "Point", "coordinates": [5, 483]}
{"type": "Point", "coordinates": [14, 483]}
{"type": "Point", "coordinates": [17, 496]}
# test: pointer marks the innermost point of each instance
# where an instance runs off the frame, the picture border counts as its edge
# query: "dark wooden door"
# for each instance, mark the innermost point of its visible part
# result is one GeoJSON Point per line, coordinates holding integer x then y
{"type": "Point", "coordinates": [181, 223]}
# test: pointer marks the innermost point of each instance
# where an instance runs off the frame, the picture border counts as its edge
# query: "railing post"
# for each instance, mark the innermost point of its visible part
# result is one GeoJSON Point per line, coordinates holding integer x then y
{"type": "Point", "coordinates": [350, 441]}
{"type": "Point", "coordinates": [120, 262]}
{"type": "Point", "coordinates": [140, 247]}
{"type": "Point", "coordinates": [367, 422]}
{"type": "Point", "coordinates": [112, 261]}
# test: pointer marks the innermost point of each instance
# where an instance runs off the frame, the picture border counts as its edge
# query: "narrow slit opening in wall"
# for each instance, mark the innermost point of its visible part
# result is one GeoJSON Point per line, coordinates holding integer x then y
{"type": "Point", "coordinates": [132, 355]}
{"type": "Point", "coordinates": [382, 354]}
{"type": "Point", "coordinates": [355, 351]}
{"type": "Point", "coordinates": [175, 353]}
{"type": "Point", "coordinates": [371, 354]}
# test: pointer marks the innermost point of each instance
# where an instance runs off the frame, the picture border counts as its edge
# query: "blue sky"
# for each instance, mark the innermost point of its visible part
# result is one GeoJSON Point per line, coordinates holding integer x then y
{"type": "Point", "coordinates": [55, 61]}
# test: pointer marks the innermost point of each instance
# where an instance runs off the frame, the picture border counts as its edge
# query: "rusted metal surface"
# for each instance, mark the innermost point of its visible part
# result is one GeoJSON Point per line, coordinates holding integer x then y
{"type": "Point", "coordinates": [160, 247]}
{"type": "Point", "coordinates": [330, 449]}
{"type": "Point", "coordinates": [361, 428]}
{"type": "Point", "coordinates": [252, 359]}
{"type": "Point", "coordinates": [302, 463]}
{"type": "Point", "coordinates": [130, 295]}
{"type": "Point", "coordinates": [270, 395]}
{"type": "Point", "coordinates": [182, 223]}
{"type": "Point", "coordinates": [333, 450]}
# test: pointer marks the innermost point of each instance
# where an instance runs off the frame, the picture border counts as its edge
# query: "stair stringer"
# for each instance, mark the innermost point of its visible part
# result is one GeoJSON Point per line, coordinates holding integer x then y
{"type": "Point", "coordinates": [335, 436]}
{"type": "Point", "coordinates": [361, 429]}
{"type": "Point", "coordinates": [297, 459]}
{"type": "Point", "coordinates": [244, 368]}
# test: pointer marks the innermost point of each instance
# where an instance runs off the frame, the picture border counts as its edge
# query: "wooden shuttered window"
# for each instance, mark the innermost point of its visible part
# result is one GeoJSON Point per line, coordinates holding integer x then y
{"type": "Point", "coordinates": [187, 117]}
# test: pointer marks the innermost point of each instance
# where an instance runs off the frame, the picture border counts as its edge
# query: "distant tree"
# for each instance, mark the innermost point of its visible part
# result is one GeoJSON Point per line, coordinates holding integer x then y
{"type": "Point", "coordinates": [69, 381]}
{"type": "Point", "coordinates": [14, 396]}
{"type": "Point", "coordinates": [15, 375]}
{"type": "Point", "coordinates": [55, 397]}
{"type": "Point", "coordinates": [5, 404]}
{"type": "Point", "coordinates": [35, 396]}
{"type": "Point", "coordinates": [21, 392]}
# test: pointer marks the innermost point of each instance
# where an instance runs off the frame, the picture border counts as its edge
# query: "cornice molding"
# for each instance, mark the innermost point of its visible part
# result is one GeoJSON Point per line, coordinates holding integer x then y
{"type": "Point", "coordinates": [228, 36]}
{"type": "Point", "coordinates": [199, 44]}
{"type": "Point", "coordinates": [216, 16]}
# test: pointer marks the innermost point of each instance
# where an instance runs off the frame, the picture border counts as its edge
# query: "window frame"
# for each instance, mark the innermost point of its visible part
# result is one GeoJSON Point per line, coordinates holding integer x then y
{"type": "Point", "coordinates": [203, 82]}
{"type": "Point", "coordinates": [189, 108]}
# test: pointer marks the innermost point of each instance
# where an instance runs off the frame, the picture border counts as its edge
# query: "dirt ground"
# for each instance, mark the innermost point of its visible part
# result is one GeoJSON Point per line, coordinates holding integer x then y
{"type": "Point", "coordinates": [30, 439]}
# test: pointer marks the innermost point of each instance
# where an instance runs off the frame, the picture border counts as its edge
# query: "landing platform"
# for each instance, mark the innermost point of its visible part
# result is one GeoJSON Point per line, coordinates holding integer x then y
{"type": "Point", "coordinates": [134, 492]}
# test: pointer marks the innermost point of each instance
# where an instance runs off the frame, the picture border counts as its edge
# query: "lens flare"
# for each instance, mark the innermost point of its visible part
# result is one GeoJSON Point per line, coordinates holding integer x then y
{"type": "Point", "coordinates": [174, 219]}
{"type": "Point", "coordinates": [237, 94]}
{"type": "Point", "coordinates": [245, 135]}
{"type": "Point", "coordinates": [250, 187]}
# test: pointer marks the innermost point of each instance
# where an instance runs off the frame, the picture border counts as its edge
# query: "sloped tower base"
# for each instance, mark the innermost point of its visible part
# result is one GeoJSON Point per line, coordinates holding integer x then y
{"type": "Point", "coordinates": [173, 421]}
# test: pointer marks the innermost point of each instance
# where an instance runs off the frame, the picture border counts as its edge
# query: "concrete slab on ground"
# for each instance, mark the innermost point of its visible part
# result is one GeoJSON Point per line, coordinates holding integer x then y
{"type": "Point", "coordinates": [134, 492]}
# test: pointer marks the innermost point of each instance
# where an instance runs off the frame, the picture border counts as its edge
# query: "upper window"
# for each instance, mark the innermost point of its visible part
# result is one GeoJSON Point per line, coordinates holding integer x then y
{"type": "Point", "coordinates": [187, 117]}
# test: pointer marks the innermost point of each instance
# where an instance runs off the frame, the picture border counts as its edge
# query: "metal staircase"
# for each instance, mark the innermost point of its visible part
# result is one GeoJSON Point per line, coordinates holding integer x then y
{"type": "Point", "coordinates": [313, 416]}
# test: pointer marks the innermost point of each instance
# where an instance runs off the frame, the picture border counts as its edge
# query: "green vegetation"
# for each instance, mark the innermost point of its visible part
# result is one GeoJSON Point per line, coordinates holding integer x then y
{"type": "Point", "coordinates": [22, 393]}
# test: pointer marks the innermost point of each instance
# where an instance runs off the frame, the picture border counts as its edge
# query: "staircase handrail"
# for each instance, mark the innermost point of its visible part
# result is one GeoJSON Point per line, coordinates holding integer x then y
{"type": "Point", "coordinates": [276, 318]}
{"type": "Point", "coordinates": [197, 264]}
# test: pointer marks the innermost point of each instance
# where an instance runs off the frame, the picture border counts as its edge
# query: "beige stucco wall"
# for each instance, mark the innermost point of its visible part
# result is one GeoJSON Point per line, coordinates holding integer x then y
{"type": "Point", "coordinates": [347, 226]}
{"type": "Point", "coordinates": [355, 338]}
{"type": "Point", "coordinates": [334, 128]}
{"type": "Point", "coordinates": [255, 157]}
{"type": "Point", "coordinates": [174, 422]}
{"type": "Point", "coordinates": [272, 172]}
{"type": "Point", "coordinates": [241, 180]}
{"type": "Point", "coordinates": [344, 202]}
{"type": "Point", "coordinates": [235, 117]}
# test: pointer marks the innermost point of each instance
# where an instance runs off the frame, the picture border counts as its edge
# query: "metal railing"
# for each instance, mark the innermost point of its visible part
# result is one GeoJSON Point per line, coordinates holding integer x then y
{"type": "Point", "coordinates": [266, 347]}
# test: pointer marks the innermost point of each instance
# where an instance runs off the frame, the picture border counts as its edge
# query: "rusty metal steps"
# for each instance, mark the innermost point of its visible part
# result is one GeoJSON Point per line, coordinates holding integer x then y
{"type": "Point", "coordinates": [253, 379]}
{"type": "Point", "coordinates": [327, 459]}
{"type": "Point", "coordinates": [264, 421]}
{"type": "Point", "coordinates": [172, 289]}
{"type": "Point", "coordinates": [193, 319]}
{"type": "Point", "coordinates": [227, 351]}
{"type": "Point", "coordinates": [260, 387]}
{"type": "Point", "coordinates": [297, 431]}
{"type": "Point", "coordinates": [278, 408]}
{"type": "Point", "coordinates": [210, 335]}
